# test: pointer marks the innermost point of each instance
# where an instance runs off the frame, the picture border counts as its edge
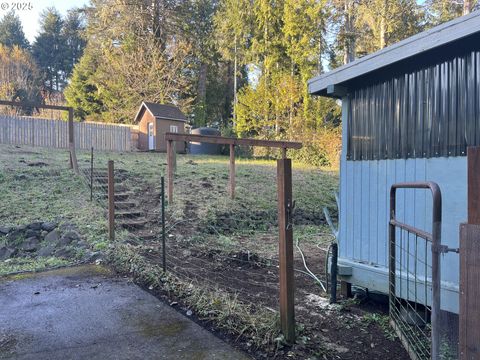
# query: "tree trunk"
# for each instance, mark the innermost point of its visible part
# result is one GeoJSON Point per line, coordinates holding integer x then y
{"type": "Point", "coordinates": [467, 7]}
{"type": "Point", "coordinates": [202, 91]}
{"type": "Point", "coordinates": [235, 99]}
{"type": "Point", "coordinates": [382, 34]}
{"type": "Point", "coordinates": [349, 42]}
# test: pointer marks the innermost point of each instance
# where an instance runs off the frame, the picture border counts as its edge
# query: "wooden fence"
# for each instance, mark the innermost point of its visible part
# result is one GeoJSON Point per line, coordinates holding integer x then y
{"type": "Point", "coordinates": [54, 133]}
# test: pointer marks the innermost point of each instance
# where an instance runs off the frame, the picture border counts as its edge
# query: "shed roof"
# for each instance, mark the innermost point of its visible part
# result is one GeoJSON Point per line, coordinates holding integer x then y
{"type": "Point", "coordinates": [330, 83]}
{"type": "Point", "coordinates": [161, 111]}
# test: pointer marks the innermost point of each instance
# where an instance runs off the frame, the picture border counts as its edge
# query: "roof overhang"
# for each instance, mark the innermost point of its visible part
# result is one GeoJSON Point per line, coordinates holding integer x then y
{"type": "Point", "coordinates": [137, 117]}
{"type": "Point", "coordinates": [332, 84]}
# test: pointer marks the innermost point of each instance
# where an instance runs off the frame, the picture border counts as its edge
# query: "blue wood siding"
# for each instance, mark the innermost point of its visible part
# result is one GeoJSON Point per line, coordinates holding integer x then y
{"type": "Point", "coordinates": [364, 213]}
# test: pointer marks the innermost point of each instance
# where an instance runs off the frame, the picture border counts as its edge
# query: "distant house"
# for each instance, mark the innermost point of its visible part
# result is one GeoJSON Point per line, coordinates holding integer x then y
{"type": "Point", "coordinates": [154, 120]}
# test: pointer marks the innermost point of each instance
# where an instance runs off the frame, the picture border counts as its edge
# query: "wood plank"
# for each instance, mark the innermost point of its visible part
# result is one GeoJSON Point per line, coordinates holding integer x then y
{"type": "Point", "coordinates": [71, 139]}
{"type": "Point", "coordinates": [285, 210]}
{"type": "Point", "coordinates": [111, 201]}
{"type": "Point", "coordinates": [473, 156]}
{"type": "Point", "coordinates": [232, 141]}
{"type": "Point", "coordinates": [469, 291]}
{"type": "Point", "coordinates": [232, 171]}
{"type": "Point", "coordinates": [39, 106]}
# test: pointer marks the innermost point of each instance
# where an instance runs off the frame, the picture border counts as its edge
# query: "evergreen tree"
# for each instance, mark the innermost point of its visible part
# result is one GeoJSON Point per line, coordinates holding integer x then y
{"type": "Point", "coordinates": [440, 11]}
{"type": "Point", "coordinates": [132, 63]}
{"type": "Point", "coordinates": [82, 93]}
{"type": "Point", "coordinates": [196, 19]}
{"type": "Point", "coordinates": [384, 22]}
{"type": "Point", "coordinates": [233, 28]}
{"type": "Point", "coordinates": [49, 50]}
{"type": "Point", "coordinates": [11, 31]}
{"type": "Point", "coordinates": [74, 42]}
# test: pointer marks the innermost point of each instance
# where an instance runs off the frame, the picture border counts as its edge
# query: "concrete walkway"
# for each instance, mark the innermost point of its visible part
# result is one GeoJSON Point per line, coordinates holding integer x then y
{"type": "Point", "coordinates": [87, 313]}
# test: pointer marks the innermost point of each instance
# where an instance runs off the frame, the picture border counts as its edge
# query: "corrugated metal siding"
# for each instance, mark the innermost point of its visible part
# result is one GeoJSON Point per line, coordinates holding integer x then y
{"type": "Point", "coordinates": [430, 112]}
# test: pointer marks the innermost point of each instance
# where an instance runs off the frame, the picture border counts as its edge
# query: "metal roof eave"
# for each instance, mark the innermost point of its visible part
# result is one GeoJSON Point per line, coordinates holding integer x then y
{"type": "Point", "coordinates": [438, 36]}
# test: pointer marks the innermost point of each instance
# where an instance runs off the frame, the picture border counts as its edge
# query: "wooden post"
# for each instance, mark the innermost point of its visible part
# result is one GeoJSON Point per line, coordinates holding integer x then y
{"type": "Point", "coordinates": [469, 317]}
{"type": "Point", "coordinates": [71, 142]}
{"type": "Point", "coordinates": [285, 209]}
{"type": "Point", "coordinates": [91, 175]}
{"type": "Point", "coordinates": [284, 153]}
{"type": "Point", "coordinates": [232, 171]}
{"type": "Point", "coordinates": [170, 169]}
{"type": "Point", "coordinates": [473, 159]}
{"type": "Point", "coordinates": [111, 201]}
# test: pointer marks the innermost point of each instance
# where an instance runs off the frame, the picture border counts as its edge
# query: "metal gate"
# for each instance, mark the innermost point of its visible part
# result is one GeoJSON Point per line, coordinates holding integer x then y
{"type": "Point", "coordinates": [414, 276]}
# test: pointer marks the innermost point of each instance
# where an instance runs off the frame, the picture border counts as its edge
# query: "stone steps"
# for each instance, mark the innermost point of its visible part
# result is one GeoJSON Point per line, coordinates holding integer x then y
{"type": "Point", "coordinates": [104, 188]}
{"type": "Point", "coordinates": [129, 214]}
{"type": "Point", "coordinates": [133, 224]}
{"type": "Point", "coordinates": [118, 196]}
{"type": "Point", "coordinates": [123, 205]}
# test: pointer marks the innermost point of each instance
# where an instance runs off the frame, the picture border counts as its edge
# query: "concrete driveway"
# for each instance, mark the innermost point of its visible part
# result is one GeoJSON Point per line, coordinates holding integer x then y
{"type": "Point", "coordinates": [88, 313]}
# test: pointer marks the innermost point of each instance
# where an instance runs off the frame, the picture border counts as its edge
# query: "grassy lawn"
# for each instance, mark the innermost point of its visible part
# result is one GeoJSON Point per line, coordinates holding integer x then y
{"type": "Point", "coordinates": [37, 185]}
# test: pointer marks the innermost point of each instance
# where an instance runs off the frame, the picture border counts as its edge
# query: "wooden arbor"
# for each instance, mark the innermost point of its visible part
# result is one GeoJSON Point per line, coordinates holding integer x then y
{"type": "Point", "coordinates": [71, 136]}
{"type": "Point", "coordinates": [285, 210]}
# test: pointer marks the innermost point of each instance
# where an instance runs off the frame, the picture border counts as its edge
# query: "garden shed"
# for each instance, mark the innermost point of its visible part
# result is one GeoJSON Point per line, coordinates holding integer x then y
{"type": "Point", "coordinates": [154, 121]}
{"type": "Point", "coordinates": [409, 111]}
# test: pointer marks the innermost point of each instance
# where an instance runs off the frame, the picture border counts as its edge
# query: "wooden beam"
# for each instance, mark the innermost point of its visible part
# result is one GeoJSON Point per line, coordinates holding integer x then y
{"type": "Point", "coordinates": [71, 142]}
{"type": "Point", "coordinates": [231, 181]}
{"type": "Point", "coordinates": [469, 315]}
{"type": "Point", "coordinates": [111, 201]}
{"type": "Point", "coordinates": [34, 105]}
{"type": "Point", "coordinates": [285, 210]}
{"type": "Point", "coordinates": [473, 160]}
{"type": "Point", "coordinates": [469, 319]}
{"type": "Point", "coordinates": [337, 91]}
{"type": "Point", "coordinates": [232, 141]}
{"type": "Point", "coordinates": [170, 167]}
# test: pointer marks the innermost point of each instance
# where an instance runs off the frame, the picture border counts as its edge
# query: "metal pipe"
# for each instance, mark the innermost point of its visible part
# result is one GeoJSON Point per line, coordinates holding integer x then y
{"type": "Point", "coordinates": [333, 273]}
{"type": "Point", "coordinates": [436, 240]}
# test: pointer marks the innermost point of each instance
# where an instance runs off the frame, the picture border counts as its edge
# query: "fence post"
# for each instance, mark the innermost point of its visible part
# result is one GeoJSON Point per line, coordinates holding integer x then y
{"type": "Point", "coordinates": [111, 201]}
{"type": "Point", "coordinates": [285, 212]}
{"type": "Point", "coordinates": [469, 319]}
{"type": "Point", "coordinates": [232, 171]}
{"type": "Point", "coordinates": [71, 142]}
{"type": "Point", "coordinates": [163, 225]}
{"type": "Point", "coordinates": [91, 175]}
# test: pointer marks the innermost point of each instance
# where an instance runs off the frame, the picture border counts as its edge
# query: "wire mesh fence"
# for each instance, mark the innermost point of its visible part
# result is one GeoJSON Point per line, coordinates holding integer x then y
{"type": "Point", "coordinates": [411, 302]}
{"type": "Point", "coordinates": [202, 258]}
{"type": "Point", "coordinates": [415, 283]}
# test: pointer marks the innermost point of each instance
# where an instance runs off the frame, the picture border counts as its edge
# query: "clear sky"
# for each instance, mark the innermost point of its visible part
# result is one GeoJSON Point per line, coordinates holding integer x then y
{"type": "Point", "coordinates": [31, 9]}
